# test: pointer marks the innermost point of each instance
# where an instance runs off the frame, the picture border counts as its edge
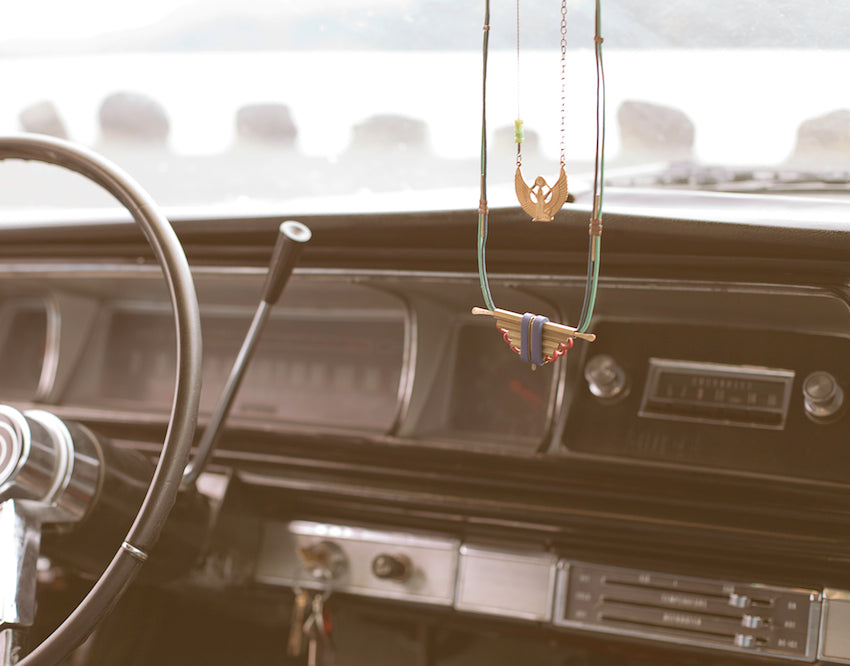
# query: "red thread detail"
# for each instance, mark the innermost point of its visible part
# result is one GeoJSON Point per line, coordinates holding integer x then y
{"type": "Point", "coordinates": [508, 340]}
{"type": "Point", "coordinates": [562, 350]}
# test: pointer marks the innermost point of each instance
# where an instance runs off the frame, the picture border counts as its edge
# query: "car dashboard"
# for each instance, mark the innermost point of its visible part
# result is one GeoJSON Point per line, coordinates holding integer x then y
{"type": "Point", "coordinates": [676, 491]}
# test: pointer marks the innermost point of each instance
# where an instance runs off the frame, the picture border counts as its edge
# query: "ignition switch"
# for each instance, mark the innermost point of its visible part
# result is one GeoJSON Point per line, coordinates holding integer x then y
{"type": "Point", "coordinates": [324, 561]}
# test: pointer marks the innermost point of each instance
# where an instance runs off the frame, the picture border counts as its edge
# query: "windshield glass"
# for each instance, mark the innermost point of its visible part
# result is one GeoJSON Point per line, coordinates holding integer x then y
{"type": "Point", "coordinates": [376, 104]}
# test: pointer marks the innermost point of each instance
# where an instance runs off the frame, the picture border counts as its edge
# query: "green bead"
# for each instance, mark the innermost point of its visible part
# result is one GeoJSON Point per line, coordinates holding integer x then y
{"type": "Point", "coordinates": [518, 131]}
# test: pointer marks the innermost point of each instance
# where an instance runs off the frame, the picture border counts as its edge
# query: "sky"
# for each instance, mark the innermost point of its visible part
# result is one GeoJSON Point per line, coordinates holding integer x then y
{"type": "Point", "coordinates": [80, 19]}
{"type": "Point", "coordinates": [58, 19]}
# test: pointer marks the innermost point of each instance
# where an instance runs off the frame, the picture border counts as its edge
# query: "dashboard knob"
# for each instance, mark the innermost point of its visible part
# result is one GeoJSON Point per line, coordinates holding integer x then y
{"type": "Point", "coordinates": [394, 567]}
{"type": "Point", "coordinates": [822, 396]}
{"type": "Point", "coordinates": [605, 378]}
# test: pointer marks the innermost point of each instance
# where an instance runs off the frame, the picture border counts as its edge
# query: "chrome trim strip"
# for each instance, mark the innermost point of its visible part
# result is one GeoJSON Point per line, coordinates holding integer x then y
{"type": "Point", "coordinates": [137, 553]}
{"type": "Point", "coordinates": [562, 578]}
{"type": "Point", "coordinates": [407, 376]}
{"type": "Point", "coordinates": [12, 269]}
{"type": "Point", "coordinates": [50, 363]}
{"type": "Point", "coordinates": [814, 636]}
{"type": "Point", "coordinates": [393, 538]}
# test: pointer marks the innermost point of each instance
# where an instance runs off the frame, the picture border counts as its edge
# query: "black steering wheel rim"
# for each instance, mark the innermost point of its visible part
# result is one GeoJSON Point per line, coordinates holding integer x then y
{"type": "Point", "coordinates": [165, 485]}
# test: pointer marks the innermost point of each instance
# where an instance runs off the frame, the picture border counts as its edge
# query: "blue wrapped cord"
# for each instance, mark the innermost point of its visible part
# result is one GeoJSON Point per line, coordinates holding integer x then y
{"type": "Point", "coordinates": [531, 338]}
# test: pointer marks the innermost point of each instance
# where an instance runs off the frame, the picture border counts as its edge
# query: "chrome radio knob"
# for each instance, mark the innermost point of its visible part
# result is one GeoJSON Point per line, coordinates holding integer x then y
{"type": "Point", "coordinates": [822, 397]}
{"type": "Point", "coordinates": [395, 567]}
{"type": "Point", "coordinates": [605, 378]}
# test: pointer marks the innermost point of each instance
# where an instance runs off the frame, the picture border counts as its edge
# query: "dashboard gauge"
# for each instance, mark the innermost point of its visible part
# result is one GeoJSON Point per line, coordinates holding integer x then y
{"type": "Point", "coordinates": [493, 392]}
{"type": "Point", "coordinates": [324, 371]}
{"type": "Point", "coordinates": [339, 370]}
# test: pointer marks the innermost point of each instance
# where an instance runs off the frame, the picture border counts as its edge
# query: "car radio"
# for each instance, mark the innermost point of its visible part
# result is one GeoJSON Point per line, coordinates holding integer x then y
{"type": "Point", "coordinates": [738, 395]}
{"type": "Point", "coordinates": [713, 398]}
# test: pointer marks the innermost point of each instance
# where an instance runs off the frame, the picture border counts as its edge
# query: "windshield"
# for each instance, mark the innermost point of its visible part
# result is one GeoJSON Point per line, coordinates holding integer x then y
{"type": "Point", "coordinates": [376, 104]}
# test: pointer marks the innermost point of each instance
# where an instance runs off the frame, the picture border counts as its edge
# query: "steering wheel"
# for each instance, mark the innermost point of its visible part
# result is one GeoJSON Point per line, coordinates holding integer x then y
{"type": "Point", "coordinates": [31, 510]}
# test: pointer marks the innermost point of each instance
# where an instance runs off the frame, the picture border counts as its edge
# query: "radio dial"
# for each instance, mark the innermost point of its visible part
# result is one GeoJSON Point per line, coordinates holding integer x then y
{"type": "Point", "coordinates": [822, 397]}
{"type": "Point", "coordinates": [605, 378]}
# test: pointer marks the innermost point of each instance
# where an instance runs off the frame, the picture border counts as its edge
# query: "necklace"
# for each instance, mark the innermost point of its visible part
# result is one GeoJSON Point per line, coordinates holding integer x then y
{"type": "Point", "coordinates": [533, 337]}
{"type": "Point", "coordinates": [539, 200]}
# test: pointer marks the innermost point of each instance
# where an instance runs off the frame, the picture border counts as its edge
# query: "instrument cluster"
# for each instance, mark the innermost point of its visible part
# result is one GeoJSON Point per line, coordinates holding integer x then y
{"type": "Point", "coordinates": [403, 360]}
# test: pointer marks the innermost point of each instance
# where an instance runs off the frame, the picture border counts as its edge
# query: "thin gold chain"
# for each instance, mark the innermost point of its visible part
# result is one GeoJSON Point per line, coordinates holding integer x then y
{"type": "Point", "coordinates": [563, 133]}
{"type": "Point", "coordinates": [518, 90]}
{"type": "Point", "coordinates": [518, 123]}
{"type": "Point", "coordinates": [563, 81]}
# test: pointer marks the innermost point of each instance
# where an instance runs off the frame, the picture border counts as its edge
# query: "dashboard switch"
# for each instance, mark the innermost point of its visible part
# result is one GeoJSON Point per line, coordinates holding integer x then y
{"type": "Point", "coordinates": [744, 641]}
{"type": "Point", "coordinates": [752, 621]}
{"type": "Point", "coordinates": [395, 567]}
{"type": "Point", "coordinates": [822, 397]}
{"type": "Point", "coordinates": [605, 378]}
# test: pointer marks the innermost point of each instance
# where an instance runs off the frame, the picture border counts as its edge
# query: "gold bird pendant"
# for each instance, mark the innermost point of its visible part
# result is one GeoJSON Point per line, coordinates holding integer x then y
{"type": "Point", "coordinates": [541, 201]}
